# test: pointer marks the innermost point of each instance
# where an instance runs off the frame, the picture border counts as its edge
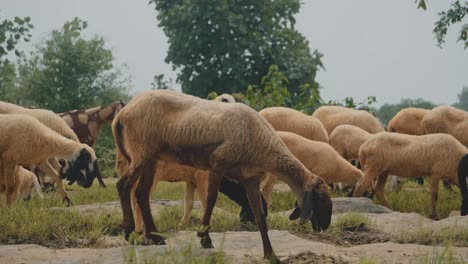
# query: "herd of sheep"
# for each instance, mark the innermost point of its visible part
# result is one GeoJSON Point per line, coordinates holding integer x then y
{"type": "Point", "coordinates": [224, 146]}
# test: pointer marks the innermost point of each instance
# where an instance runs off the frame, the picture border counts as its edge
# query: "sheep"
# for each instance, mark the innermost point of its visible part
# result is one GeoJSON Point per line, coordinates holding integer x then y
{"type": "Point", "coordinates": [25, 181]}
{"type": "Point", "coordinates": [225, 98]}
{"type": "Point", "coordinates": [347, 139]}
{"type": "Point", "coordinates": [26, 141]}
{"type": "Point", "coordinates": [87, 123]}
{"type": "Point", "coordinates": [437, 155]}
{"type": "Point", "coordinates": [286, 119]}
{"type": "Point", "coordinates": [332, 116]}
{"type": "Point", "coordinates": [318, 157]}
{"type": "Point", "coordinates": [230, 140]}
{"type": "Point", "coordinates": [407, 121]}
{"type": "Point", "coordinates": [54, 122]}
{"type": "Point", "coordinates": [446, 119]}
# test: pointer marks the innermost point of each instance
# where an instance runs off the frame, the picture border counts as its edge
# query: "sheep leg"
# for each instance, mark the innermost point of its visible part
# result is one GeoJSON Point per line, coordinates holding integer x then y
{"type": "Point", "coordinates": [366, 182]}
{"type": "Point", "coordinates": [188, 203]}
{"type": "Point", "coordinates": [124, 186]}
{"type": "Point", "coordinates": [47, 168]}
{"type": "Point", "coordinates": [9, 174]}
{"type": "Point", "coordinates": [434, 188]}
{"type": "Point", "coordinates": [268, 189]}
{"type": "Point", "coordinates": [214, 180]}
{"type": "Point", "coordinates": [2, 179]}
{"type": "Point", "coordinates": [380, 189]}
{"type": "Point", "coordinates": [136, 208]}
{"type": "Point", "coordinates": [142, 195]}
{"type": "Point", "coordinates": [252, 187]}
{"type": "Point", "coordinates": [202, 189]}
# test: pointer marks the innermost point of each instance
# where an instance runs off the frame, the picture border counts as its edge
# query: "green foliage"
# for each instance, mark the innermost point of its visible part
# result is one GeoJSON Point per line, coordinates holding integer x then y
{"type": "Point", "coordinates": [224, 46]}
{"type": "Point", "coordinates": [11, 33]}
{"type": "Point", "coordinates": [462, 99]}
{"type": "Point", "coordinates": [159, 82]}
{"type": "Point", "coordinates": [453, 15]}
{"type": "Point", "coordinates": [68, 71]}
{"type": "Point", "coordinates": [388, 111]}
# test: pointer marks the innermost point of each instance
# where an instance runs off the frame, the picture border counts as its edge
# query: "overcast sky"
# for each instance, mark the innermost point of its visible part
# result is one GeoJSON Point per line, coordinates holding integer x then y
{"type": "Point", "coordinates": [381, 48]}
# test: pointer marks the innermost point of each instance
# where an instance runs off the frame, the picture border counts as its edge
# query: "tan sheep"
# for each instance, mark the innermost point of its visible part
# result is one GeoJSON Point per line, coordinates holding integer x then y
{"type": "Point", "coordinates": [407, 121]}
{"type": "Point", "coordinates": [347, 139]}
{"type": "Point", "coordinates": [437, 155]}
{"type": "Point", "coordinates": [446, 119]}
{"type": "Point", "coordinates": [318, 157]}
{"type": "Point", "coordinates": [332, 116]}
{"type": "Point", "coordinates": [25, 181]}
{"type": "Point", "coordinates": [54, 122]}
{"type": "Point", "coordinates": [290, 120]}
{"type": "Point", "coordinates": [26, 141]}
{"type": "Point", "coordinates": [231, 140]}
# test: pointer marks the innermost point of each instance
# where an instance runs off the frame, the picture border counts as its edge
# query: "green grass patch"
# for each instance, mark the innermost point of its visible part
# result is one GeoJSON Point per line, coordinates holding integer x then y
{"type": "Point", "coordinates": [353, 222]}
{"type": "Point", "coordinates": [454, 235]}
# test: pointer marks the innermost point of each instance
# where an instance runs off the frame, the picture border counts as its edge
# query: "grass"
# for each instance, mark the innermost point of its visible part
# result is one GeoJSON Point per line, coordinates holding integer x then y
{"type": "Point", "coordinates": [352, 221]}
{"type": "Point", "coordinates": [453, 235]}
{"type": "Point", "coordinates": [447, 256]}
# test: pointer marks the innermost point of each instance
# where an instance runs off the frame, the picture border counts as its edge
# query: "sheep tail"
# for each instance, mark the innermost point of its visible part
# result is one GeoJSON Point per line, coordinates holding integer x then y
{"type": "Point", "coordinates": [37, 186]}
{"type": "Point", "coordinates": [462, 177]}
{"type": "Point", "coordinates": [117, 130]}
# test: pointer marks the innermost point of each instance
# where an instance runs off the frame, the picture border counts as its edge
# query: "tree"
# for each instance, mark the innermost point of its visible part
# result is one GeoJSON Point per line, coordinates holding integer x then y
{"type": "Point", "coordinates": [387, 111]}
{"type": "Point", "coordinates": [462, 99]}
{"type": "Point", "coordinates": [11, 33]}
{"type": "Point", "coordinates": [224, 46]}
{"type": "Point", "coordinates": [68, 71]}
{"type": "Point", "coordinates": [159, 82]}
{"type": "Point", "coordinates": [453, 15]}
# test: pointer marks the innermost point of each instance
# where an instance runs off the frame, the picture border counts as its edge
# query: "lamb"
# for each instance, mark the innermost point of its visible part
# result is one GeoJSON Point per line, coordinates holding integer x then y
{"type": "Point", "coordinates": [332, 116]}
{"type": "Point", "coordinates": [225, 98]}
{"type": "Point", "coordinates": [290, 120]}
{"type": "Point", "coordinates": [347, 139]}
{"type": "Point", "coordinates": [54, 122]}
{"type": "Point", "coordinates": [25, 181]}
{"type": "Point", "coordinates": [230, 140]}
{"type": "Point", "coordinates": [437, 155]}
{"type": "Point", "coordinates": [318, 157]}
{"type": "Point", "coordinates": [407, 121]}
{"type": "Point", "coordinates": [26, 141]}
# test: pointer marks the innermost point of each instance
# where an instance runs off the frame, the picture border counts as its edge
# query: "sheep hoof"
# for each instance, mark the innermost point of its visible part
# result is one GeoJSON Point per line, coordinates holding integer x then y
{"type": "Point", "coordinates": [157, 239]}
{"type": "Point", "coordinates": [274, 259]}
{"type": "Point", "coordinates": [67, 202]}
{"type": "Point", "coordinates": [206, 242]}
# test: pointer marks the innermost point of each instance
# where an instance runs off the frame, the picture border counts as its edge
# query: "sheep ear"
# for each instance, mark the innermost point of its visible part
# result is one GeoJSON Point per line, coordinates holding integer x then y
{"type": "Point", "coordinates": [296, 213]}
{"type": "Point", "coordinates": [308, 206]}
{"type": "Point", "coordinates": [322, 211]}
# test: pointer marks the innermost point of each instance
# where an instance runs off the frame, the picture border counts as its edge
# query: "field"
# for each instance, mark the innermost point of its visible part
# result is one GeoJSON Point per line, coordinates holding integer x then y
{"type": "Point", "coordinates": [46, 222]}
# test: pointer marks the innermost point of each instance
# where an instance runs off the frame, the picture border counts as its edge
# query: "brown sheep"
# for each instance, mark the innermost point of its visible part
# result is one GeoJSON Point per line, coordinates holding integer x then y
{"type": "Point", "coordinates": [446, 119]}
{"type": "Point", "coordinates": [54, 122]}
{"type": "Point", "coordinates": [318, 157]}
{"type": "Point", "coordinates": [332, 116]}
{"type": "Point", "coordinates": [347, 139]}
{"type": "Point", "coordinates": [230, 140]}
{"type": "Point", "coordinates": [437, 155]}
{"type": "Point", "coordinates": [407, 121]}
{"type": "Point", "coordinates": [225, 98]}
{"type": "Point", "coordinates": [290, 120]}
{"type": "Point", "coordinates": [26, 141]}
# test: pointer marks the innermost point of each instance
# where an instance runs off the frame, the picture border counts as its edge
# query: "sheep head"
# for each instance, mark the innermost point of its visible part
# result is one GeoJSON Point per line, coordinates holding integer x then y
{"type": "Point", "coordinates": [316, 206]}
{"type": "Point", "coordinates": [82, 169]}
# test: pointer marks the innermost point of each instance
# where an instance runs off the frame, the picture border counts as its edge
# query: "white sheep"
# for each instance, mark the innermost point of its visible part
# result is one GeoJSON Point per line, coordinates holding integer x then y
{"type": "Point", "coordinates": [318, 157]}
{"type": "Point", "coordinates": [290, 120]}
{"type": "Point", "coordinates": [332, 116]}
{"type": "Point", "coordinates": [231, 140]}
{"type": "Point", "coordinates": [26, 141]}
{"type": "Point", "coordinates": [437, 155]}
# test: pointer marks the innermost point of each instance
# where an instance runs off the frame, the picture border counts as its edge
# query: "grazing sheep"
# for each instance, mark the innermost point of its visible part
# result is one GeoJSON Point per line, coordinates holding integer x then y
{"type": "Point", "coordinates": [318, 157]}
{"type": "Point", "coordinates": [26, 141]}
{"type": "Point", "coordinates": [347, 139]}
{"type": "Point", "coordinates": [225, 98]}
{"type": "Point", "coordinates": [407, 121]}
{"type": "Point", "coordinates": [87, 123]}
{"type": "Point", "coordinates": [54, 122]}
{"type": "Point", "coordinates": [437, 155]}
{"type": "Point", "coordinates": [230, 140]}
{"type": "Point", "coordinates": [332, 116]}
{"type": "Point", "coordinates": [25, 181]}
{"type": "Point", "coordinates": [290, 120]}
{"type": "Point", "coordinates": [446, 119]}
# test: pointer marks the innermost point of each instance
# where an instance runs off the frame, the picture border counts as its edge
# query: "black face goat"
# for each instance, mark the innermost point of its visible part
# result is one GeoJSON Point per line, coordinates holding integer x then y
{"type": "Point", "coordinates": [83, 169]}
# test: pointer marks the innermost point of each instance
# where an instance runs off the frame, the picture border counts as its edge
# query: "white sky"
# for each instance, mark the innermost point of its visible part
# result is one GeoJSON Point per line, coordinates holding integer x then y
{"type": "Point", "coordinates": [371, 47]}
